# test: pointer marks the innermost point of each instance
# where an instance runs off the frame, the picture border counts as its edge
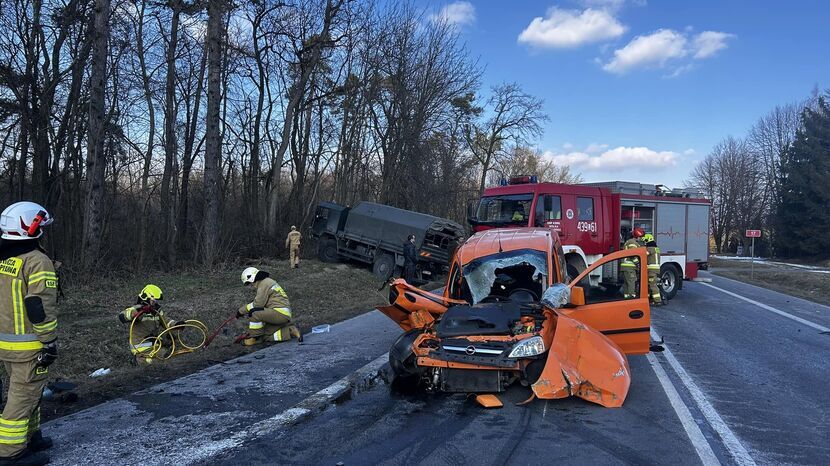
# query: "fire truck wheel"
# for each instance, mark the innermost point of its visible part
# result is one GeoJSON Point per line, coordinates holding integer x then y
{"type": "Point", "coordinates": [669, 280]}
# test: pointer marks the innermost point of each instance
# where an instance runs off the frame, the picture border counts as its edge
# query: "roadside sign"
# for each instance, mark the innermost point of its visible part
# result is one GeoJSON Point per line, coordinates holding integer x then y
{"type": "Point", "coordinates": [753, 233]}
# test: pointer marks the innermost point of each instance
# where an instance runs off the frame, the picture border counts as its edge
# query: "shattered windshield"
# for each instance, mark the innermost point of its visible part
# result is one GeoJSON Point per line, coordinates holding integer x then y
{"type": "Point", "coordinates": [519, 276]}
{"type": "Point", "coordinates": [504, 209]}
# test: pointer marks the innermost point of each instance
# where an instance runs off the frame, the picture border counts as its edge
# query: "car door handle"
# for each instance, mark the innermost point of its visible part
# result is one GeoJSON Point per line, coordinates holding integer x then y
{"type": "Point", "coordinates": [636, 314]}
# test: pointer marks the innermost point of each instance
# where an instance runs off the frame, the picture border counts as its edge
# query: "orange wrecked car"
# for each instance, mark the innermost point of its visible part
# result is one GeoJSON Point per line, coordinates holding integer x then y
{"type": "Point", "coordinates": [508, 315]}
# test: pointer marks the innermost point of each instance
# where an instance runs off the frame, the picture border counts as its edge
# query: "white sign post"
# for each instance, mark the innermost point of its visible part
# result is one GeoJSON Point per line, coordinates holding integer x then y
{"type": "Point", "coordinates": [752, 234]}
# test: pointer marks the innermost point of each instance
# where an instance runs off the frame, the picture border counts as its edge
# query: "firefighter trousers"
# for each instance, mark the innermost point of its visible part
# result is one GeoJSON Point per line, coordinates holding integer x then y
{"type": "Point", "coordinates": [271, 324]}
{"type": "Point", "coordinates": [629, 273]}
{"type": "Point", "coordinates": [653, 288]}
{"type": "Point", "coordinates": [21, 416]}
{"type": "Point", "coordinates": [294, 256]}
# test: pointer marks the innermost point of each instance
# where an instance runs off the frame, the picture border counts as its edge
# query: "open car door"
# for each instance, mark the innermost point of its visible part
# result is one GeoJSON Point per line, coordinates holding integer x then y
{"type": "Point", "coordinates": [626, 321]}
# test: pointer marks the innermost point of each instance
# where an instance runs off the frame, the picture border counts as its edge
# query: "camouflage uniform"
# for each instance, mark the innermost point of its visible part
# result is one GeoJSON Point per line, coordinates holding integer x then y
{"type": "Point", "coordinates": [629, 269]}
{"type": "Point", "coordinates": [292, 242]}
{"type": "Point", "coordinates": [270, 313]}
{"type": "Point", "coordinates": [28, 321]}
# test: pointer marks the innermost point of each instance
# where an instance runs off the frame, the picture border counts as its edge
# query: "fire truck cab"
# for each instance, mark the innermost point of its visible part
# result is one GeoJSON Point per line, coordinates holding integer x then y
{"type": "Point", "coordinates": [594, 219]}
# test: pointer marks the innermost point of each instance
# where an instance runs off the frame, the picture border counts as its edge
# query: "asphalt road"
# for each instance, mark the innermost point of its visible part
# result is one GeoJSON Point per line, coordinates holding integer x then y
{"type": "Point", "coordinates": [739, 384]}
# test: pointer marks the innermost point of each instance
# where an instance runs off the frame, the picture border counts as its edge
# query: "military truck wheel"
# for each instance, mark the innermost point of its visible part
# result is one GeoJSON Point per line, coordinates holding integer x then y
{"type": "Point", "coordinates": [384, 266]}
{"type": "Point", "coordinates": [669, 280]}
{"type": "Point", "coordinates": [327, 250]}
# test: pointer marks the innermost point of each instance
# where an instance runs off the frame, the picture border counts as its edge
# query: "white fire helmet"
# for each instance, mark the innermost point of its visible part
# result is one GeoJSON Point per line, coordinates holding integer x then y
{"type": "Point", "coordinates": [23, 220]}
{"type": "Point", "coordinates": [249, 275]}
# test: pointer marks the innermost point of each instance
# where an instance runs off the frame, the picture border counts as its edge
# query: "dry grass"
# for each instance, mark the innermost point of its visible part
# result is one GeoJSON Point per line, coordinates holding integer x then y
{"type": "Point", "coordinates": [790, 280]}
{"type": "Point", "coordinates": [91, 336]}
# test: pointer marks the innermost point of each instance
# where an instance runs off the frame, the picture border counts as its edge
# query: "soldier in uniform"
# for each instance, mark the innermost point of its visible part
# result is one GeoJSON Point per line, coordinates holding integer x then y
{"type": "Point", "coordinates": [28, 330]}
{"type": "Point", "coordinates": [292, 242]}
{"type": "Point", "coordinates": [629, 264]}
{"type": "Point", "coordinates": [653, 269]}
{"type": "Point", "coordinates": [269, 314]}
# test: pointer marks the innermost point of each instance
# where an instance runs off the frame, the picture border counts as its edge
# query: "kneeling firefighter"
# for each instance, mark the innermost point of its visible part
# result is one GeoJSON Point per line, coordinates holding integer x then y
{"type": "Point", "coordinates": [28, 325]}
{"type": "Point", "coordinates": [147, 321]}
{"type": "Point", "coordinates": [269, 314]}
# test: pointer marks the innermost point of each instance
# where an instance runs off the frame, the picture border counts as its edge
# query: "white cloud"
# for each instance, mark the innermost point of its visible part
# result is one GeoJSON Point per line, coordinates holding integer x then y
{"type": "Point", "coordinates": [708, 43]}
{"type": "Point", "coordinates": [666, 47]}
{"type": "Point", "coordinates": [594, 148]}
{"type": "Point", "coordinates": [689, 152]}
{"type": "Point", "coordinates": [616, 159]}
{"type": "Point", "coordinates": [571, 28]}
{"type": "Point", "coordinates": [652, 50]}
{"type": "Point", "coordinates": [458, 13]}
{"type": "Point", "coordinates": [567, 146]}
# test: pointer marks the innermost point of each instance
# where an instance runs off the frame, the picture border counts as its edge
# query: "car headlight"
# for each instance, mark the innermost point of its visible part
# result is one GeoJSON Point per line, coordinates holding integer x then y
{"type": "Point", "coordinates": [532, 346]}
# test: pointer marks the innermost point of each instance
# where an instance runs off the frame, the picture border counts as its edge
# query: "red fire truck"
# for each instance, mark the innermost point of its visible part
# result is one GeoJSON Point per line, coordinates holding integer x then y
{"type": "Point", "coordinates": [594, 219]}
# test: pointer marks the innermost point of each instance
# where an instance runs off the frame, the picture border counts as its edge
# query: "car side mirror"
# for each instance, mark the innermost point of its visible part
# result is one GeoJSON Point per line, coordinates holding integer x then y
{"type": "Point", "coordinates": [577, 296]}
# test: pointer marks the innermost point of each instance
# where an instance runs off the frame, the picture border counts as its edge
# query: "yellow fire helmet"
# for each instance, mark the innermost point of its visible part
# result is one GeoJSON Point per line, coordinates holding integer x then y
{"type": "Point", "coordinates": [648, 237]}
{"type": "Point", "coordinates": [151, 291]}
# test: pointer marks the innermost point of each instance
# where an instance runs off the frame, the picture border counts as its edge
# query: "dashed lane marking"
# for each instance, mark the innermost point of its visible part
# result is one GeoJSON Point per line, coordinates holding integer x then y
{"type": "Point", "coordinates": [806, 322]}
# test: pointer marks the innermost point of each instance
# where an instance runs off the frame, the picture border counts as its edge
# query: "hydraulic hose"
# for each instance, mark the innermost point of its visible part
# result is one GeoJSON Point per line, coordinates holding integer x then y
{"type": "Point", "coordinates": [172, 336]}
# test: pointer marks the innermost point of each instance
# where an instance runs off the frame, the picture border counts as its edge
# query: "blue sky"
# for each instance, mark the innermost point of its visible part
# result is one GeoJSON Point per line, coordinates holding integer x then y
{"type": "Point", "coordinates": [641, 90]}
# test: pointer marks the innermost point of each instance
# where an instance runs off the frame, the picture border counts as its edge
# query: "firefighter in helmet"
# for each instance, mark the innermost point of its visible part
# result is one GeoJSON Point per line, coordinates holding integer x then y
{"type": "Point", "coordinates": [653, 269]}
{"type": "Point", "coordinates": [292, 242]}
{"type": "Point", "coordinates": [269, 314]}
{"type": "Point", "coordinates": [629, 264]}
{"type": "Point", "coordinates": [146, 321]}
{"type": "Point", "coordinates": [28, 330]}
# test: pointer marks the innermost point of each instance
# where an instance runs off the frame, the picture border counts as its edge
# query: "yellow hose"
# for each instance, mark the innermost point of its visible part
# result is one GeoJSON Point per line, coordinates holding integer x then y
{"type": "Point", "coordinates": [173, 336]}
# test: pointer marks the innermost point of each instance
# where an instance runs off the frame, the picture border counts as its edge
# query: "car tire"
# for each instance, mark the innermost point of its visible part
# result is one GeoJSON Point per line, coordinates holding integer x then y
{"type": "Point", "coordinates": [669, 280]}
{"type": "Point", "coordinates": [402, 358]}
{"type": "Point", "coordinates": [327, 250]}
{"type": "Point", "coordinates": [384, 267]}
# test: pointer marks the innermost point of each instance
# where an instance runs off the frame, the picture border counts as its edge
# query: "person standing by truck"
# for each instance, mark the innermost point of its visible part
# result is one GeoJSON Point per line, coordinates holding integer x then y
{"type": "Point", "coordinates": [629, 264]}
{"type": "Point", "coordinates": [653, 269]}
{"type": "Point", "coordinates": [292, 242]}
{"type": "Point", "coordinates": [410, 258]}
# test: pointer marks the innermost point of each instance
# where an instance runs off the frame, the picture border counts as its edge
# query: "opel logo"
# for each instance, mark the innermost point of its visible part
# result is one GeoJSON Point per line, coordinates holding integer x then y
{"type": "Point", "coordinates": [470, 350]}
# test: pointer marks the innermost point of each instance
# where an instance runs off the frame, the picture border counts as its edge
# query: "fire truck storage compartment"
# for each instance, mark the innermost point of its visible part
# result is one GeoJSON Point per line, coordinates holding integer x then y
{"type": "Point", "coordinates": [697, 233]}
{"type": "Point", "coordinates": [670, 231]}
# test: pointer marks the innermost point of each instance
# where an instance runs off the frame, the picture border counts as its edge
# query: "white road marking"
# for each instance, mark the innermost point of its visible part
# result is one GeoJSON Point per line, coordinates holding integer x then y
{"type": "Point", "coordinates": [701, 446]}
{"type": "Point", "coordinates": [730, 440]}
{"type": "Point", "coordinates": [806, 322]}
{"type": "Point", "coordinates": [268, 427]}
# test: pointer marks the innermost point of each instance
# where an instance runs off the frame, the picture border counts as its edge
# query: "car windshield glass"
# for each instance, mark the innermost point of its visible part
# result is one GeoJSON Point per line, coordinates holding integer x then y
{"type": "Point", "coordinates": [519, 275]}
{"type": "Point", "coordinates": [504, 209]}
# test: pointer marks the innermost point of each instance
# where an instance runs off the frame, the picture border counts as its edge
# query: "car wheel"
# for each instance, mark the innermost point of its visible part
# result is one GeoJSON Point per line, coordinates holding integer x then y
{"type": "Point", "coordinates": [402, 358]}
{"type": "Point", "coordinates": [384, 266]}
{"type": "Point", "coordinates": [327, 250]}
{"type": "Point", "coordinates": [669, 281]}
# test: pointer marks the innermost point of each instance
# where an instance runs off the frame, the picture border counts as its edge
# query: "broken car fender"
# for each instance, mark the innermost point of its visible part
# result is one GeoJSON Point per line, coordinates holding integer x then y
{"type": "Point", "coordinates": [585, 363]}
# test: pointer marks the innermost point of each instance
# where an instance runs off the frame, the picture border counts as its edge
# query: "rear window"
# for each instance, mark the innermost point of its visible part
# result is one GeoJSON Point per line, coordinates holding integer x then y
{"type": "Point", "coordinates": [585, 208]}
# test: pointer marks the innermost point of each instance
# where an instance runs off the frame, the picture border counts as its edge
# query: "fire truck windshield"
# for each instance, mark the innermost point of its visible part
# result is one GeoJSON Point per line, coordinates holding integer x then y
{"type": "Point", "coordinates": [510, 209]}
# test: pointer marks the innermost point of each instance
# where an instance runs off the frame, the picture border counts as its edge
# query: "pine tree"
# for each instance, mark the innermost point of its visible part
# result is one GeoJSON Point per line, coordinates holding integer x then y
{"type": "Point", "coordinates": [803, 220]}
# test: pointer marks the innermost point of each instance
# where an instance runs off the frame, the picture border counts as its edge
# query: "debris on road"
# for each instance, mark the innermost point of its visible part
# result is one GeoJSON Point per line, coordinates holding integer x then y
{"type": "Point", "coordinates": [321, 328]}
{"type": "Point", "coordinates": [100, 372]}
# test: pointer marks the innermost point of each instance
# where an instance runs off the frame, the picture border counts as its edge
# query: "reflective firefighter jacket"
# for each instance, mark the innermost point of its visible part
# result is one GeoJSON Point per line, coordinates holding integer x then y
{"type": "Point", "coordinates": [269, 295]}
{"type": "Point", "coordinates": [653, 259]}
{"type": "Point", "coordinates": [631, 262]}
{"type": "Point", "coordinates": [293, 239]}
{"type": "Point", "coordinates": [28, 303]}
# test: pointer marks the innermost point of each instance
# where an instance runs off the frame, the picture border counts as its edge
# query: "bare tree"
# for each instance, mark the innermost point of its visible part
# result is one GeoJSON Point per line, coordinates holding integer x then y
{"type": "Point", "coordinates": [213, 149]}
{"type": "Point", "coordinates": [515, 116]}
{"type": "Point", "coordinates": [96, 161]}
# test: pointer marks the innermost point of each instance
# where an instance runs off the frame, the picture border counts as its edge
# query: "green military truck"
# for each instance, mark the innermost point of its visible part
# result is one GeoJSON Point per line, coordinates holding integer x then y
{"type": "Point", "coordinates": [374, 234]}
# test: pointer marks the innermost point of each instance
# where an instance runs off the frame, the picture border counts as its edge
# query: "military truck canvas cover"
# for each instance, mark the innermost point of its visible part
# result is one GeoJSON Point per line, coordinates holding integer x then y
{"type": "Point", "coordinates": [390, 226]}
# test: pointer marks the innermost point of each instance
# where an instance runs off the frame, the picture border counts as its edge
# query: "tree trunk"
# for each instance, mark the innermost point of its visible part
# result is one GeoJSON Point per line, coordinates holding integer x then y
{"type": "Point", "coordinates": [167, 210]}
{"type": "Point", "coordinates": [151, 135]}
{"type": "Point", "coordinates": [96, 163]}
{"type": "Point", "coordinates": [213, 149]}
